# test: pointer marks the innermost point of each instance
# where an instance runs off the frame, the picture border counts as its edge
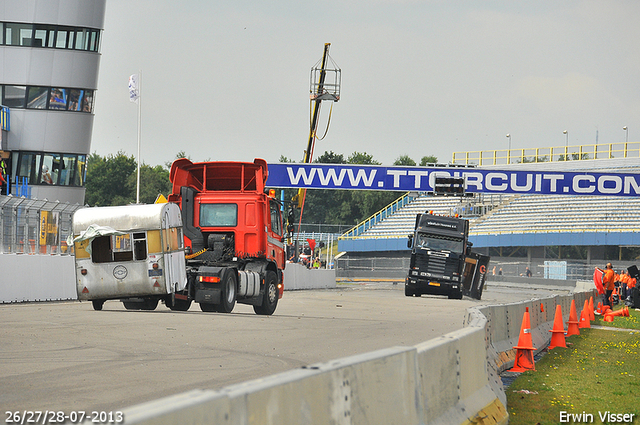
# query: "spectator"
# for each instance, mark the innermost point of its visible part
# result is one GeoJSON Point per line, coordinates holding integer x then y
{"type": "Point", "coordinates": [46, 177]}
{"type": "Point", "coordinates": [631, 284]}
{"type": "Point", "coordinates": [608, 282]}
{"type": "Point", "coordinates": [528, 272]}
{"type": "Point", "coordinates": [624, 281]}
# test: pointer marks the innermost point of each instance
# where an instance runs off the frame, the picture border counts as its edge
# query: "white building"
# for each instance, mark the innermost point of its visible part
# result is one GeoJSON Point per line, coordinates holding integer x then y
{"type": "Point", "coordinates": [49, 60]}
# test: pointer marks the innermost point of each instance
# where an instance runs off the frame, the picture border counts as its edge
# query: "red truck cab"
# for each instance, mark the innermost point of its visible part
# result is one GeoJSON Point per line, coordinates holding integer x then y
{"type": "Point", "coordinates": [230, 222]}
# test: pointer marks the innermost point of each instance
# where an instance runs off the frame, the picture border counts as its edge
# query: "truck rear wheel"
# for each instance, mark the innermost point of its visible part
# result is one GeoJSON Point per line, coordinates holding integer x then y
{"type": "Point", "coordinates": [207, 308]}
{"type": "Point", "coordinates": [228, 294]}
{"type": "Point", "coordinates": [270, 297]}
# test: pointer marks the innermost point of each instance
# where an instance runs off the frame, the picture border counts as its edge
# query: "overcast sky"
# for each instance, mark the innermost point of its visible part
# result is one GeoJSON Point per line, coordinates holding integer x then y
{"type": "Point", "coordinates": [229, 80]}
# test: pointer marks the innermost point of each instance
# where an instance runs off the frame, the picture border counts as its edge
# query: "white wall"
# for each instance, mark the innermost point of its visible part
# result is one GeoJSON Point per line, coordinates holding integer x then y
{"type": "Point", "coordinates": [25, 277]}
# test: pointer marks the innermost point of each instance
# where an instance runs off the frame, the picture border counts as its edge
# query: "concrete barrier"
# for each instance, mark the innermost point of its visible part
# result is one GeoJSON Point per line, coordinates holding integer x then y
{"type": "Point", "coordinates": [27, 277]}
{"type": "Point", "coordinates": [297, 276]}
{"type": "Point", "coordinates": [377, 387]}
{"type": "Point", "coordinates": [453, 379]}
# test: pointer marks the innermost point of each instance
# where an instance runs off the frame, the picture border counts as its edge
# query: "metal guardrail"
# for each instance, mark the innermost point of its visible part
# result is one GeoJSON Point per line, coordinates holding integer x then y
{"type": "Point", "coordinates": [548, 154]}
{"type": "Point", "coordinates": [33, 226]}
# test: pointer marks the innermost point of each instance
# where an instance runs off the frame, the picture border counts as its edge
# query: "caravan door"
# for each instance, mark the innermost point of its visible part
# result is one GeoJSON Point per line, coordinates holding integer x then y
{"type": "Point", "coordinates": [174, 262]}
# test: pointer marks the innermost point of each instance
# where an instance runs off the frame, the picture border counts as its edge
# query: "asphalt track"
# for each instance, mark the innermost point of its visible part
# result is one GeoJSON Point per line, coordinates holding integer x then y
{"type": "Point", "coordinates": [64, 356]}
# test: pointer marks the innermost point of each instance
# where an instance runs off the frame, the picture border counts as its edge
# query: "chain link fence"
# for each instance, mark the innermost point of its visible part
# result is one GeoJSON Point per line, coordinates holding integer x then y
{"type": "Point", "coordinates": [33, 226]}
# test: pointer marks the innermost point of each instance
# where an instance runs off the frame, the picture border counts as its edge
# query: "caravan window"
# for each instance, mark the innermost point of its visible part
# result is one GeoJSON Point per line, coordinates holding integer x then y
{"type": "Point", "coordinates": [118, 248]}
{"type": "Point", "coordinates": [140, 245]}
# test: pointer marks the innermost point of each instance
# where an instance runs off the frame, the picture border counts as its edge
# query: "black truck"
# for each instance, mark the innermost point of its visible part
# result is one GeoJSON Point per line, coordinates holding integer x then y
{"type": "Point", "coordinates": [442, 262]}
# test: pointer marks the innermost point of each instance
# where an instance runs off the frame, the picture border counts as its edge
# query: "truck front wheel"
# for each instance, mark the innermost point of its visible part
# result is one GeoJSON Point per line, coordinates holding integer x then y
{"type": "Point", "coordinates": [270, 296]}
{"type": "Point", "coordinates": [228, 295]}
{"type": "Point", "coordinates": [455, 295]}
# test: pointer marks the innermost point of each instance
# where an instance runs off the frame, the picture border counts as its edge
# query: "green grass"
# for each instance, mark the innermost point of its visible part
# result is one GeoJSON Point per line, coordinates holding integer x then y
{"type": "Point", "coordinates": [599, 371]}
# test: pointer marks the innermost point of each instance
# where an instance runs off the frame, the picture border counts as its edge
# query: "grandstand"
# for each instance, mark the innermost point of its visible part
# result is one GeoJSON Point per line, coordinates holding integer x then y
{"type": "Point", "coordinates": [519, 230]}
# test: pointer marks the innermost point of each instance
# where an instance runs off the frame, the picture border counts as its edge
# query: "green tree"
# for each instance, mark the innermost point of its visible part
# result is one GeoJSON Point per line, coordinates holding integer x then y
{"type": "Point", "coordinates": [325, 205]}
{"type": "Point", "coordinates": [107, 179]}
{"type": "Point", "coordinates": [330, 158]}
{"type": "Point", "coordinates": [112, 180]}
{"type": "Point", "coordinates": [153, 182]}
{"type": "Point", "coordinates": [430, 159]}
{"type": "Point", "coordinates": [361, 158]}
{"type": "Point", "coordinates": [404, 160]}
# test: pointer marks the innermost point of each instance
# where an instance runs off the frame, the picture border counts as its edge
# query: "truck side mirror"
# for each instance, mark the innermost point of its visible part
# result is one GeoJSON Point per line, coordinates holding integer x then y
{"type": "Point", "coordinates": [409, 240]}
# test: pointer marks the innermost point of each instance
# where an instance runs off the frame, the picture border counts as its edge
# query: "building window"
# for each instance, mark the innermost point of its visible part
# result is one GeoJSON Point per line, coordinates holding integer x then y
{"type": "Point", "coordinates": [94, 41]}
{"type": "Point", "coordinates": [44, 36]}
{"type": "Point", "coordinates": [61, 38]}
{"type": "Point", "coordinates": [81, 39]}
{"type": "Point", "coordinates": [87, 101]}
{"type": "Point", "coordinates": [76, 97]}
{"type": "Point", "coordinates": [17, 34]}
{"type": "Point", "coordinates": [52, 168]}
{"type": "Point", "coordinates": [29, 166]}
{"type": "Point", "coordinates": [37, 97]}
{"type": "Point", "coordinates": [14, 96]}
{"type": "Point", "coordinates": [59, 99]}
{"type": "Point", "coordinates": [49, 36]}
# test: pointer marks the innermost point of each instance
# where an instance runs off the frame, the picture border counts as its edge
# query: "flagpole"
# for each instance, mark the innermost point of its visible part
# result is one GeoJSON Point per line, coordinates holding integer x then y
{"type": "Point", "coordinates": [139, 108]}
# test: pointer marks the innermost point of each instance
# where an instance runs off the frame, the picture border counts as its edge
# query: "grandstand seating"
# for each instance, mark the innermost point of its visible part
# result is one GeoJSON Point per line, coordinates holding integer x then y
{"type": "Point", "coordinates": [558, 213]}
{"type": "Point", "coordinates": [519, 214]}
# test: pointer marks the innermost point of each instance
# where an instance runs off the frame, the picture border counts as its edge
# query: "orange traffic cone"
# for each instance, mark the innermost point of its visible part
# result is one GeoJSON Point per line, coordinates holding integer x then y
{"type": "Point", "coordinates": [599, 309]}
{"type": "Point", "coordinates": [624, 312]}
{"type": "Point", "coordinates": [584, 316]}
{"type": "Point", "coordinates": [557, 337]}
{"type": "Point", "coordinates": [605, 308]}
{"type": "Point", "coordinates": [591, 314]}
{"type": "Point", "coordinates": [524, 349]}
{"type": "Point", "coordinates": [608, 317]}
{"type": "Point", "coordinates": [572, 327]}
{"type": "Point", "coordinates": [541, 308]}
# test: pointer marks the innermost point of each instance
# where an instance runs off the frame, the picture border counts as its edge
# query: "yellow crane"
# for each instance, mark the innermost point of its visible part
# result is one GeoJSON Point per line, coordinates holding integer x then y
{"type": "Point", "coordinates": [325, 85]}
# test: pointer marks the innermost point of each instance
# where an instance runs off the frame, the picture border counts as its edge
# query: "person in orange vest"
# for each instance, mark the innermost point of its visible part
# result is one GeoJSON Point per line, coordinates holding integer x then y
{"type": "Point", "coordinates": [624, 281]}
{"type": "Point", "coordinates": [631, 283]}
{"type": "Point", "coordinates": [608, 282]}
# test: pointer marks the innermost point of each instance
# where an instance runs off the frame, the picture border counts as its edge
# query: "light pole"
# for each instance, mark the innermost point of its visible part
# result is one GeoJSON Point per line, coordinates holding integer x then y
{"type": "Point", "coordinates": [626, 134]}
{"type": "Point", "coordinates": [509, 151]}
{"type": "Point", "coordinates": [566, 139]}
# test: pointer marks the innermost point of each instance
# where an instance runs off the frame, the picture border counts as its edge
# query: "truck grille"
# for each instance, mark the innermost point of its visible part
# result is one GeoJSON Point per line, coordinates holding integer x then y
{"type": "Point", "coordinates": [436, 263]}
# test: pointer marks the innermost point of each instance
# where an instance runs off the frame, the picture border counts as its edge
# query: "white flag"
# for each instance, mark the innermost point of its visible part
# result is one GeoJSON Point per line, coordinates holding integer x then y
{"type": "Point", "coordinates": [134, 94]}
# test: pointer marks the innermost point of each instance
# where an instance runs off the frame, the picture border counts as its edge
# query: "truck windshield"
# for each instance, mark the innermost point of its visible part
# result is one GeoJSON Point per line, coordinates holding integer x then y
{"type": "Point", "coordinates": [218, 215]}
{"type": "Point", "coordinates": [443, 243]}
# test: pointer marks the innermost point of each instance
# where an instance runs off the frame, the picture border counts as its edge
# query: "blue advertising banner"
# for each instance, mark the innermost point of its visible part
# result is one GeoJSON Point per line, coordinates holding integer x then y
{"type": "Point", "coordinates": [421, 179]}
